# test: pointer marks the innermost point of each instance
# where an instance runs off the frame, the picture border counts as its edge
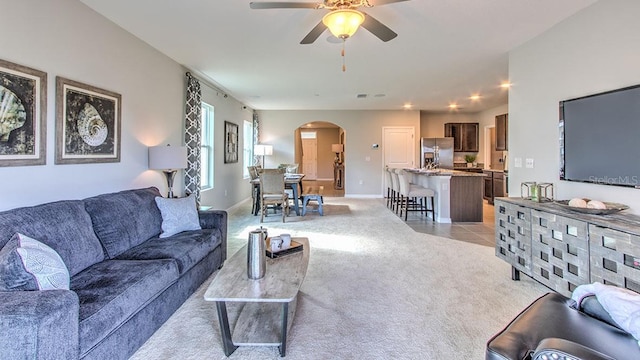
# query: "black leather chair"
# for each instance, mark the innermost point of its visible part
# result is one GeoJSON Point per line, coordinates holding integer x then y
{"type": "Point", "coordinates": [553, 328]}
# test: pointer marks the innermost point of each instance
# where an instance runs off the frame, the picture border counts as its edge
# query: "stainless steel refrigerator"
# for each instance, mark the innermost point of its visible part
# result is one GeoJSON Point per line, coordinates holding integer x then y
{"type": "Point", "coordinates": [437, 151]}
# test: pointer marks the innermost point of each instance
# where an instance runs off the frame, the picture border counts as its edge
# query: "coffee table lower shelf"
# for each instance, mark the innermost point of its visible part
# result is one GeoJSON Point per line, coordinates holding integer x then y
{"type": "Point", "coordinates": [267, 306]}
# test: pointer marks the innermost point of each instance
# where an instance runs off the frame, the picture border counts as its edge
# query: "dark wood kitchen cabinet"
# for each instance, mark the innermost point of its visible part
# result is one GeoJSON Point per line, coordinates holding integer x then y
{"type": "Point", "coordinates": [494, 185]}
{"type": "Point", "coordinates": [488, 186]}
{"type": "Point", "coordinates": [502, 132]}
{"type": "Point", "coordinates": [465, 136]}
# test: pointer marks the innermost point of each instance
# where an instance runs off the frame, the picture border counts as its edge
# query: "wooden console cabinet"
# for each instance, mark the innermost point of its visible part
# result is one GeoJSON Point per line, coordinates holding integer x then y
{"type": "Point", "coordinates": [562, 249]}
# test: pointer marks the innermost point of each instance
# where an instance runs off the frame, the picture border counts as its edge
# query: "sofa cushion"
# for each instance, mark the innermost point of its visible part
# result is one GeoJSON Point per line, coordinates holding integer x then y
{"type": "Point", "coordinates": [35, 260]}
{"type": "Point", "coordinates": [125, 219]}
{"type": "Point", "coordinates": [178, 215]}
{"type": "Point", "coordinates": [13, 275]}
{"type": "Point", "coordinates": [112, 291]}
{"type": "Point", "coordinates": [64, 226]}
{"type": "Point", "coordinates": [187, 248]}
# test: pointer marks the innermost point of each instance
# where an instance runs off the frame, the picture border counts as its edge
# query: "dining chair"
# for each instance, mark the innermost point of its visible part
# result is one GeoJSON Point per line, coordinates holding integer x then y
{"type": "Point", "coordinates": [272, 192]}
{"type": "Point", "coordinates": [253, 174]}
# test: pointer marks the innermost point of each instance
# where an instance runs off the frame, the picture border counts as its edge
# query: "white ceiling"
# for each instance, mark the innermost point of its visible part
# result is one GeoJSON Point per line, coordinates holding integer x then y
{"type": "Point", "coordinates": [446, 50]}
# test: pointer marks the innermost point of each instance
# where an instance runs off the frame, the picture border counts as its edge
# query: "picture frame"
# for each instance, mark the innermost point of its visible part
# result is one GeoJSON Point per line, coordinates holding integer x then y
{"type": "Point", "coordinates": [230, 142]}
{"type": "Point", "coordinates": [88, 123]}
{"type": "Point", "coordinates": [23, 115]}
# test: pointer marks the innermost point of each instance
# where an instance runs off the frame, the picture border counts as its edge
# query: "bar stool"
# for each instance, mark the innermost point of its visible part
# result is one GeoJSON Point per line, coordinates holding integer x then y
{"type": "Point", "coordinates": [414, 197]}
{"type": "Point", "coordinates": [388, 181]}
{"type": "Point", "coordinates": [395, 177]}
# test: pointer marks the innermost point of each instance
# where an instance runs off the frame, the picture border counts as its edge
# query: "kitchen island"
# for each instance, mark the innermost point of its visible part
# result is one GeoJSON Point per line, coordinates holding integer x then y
{"type": "Point", "coordinates": [459, 194]}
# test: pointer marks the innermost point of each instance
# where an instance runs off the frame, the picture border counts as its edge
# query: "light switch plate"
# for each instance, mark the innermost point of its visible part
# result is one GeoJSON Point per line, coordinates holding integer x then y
{"type": "Point", "coordinates": [517, 162]}
{"type": "Point", "coordinates": [529, 163]}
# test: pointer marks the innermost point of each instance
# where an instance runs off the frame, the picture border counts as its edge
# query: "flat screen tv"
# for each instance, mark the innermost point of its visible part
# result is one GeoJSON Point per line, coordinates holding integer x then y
{"type": "Point", "coordinates": [600, 138]}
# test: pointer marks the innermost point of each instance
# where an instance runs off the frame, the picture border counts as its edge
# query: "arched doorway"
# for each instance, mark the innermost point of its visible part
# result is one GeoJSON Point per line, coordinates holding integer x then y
{"type": "Point", "coordinates": [315, 143]}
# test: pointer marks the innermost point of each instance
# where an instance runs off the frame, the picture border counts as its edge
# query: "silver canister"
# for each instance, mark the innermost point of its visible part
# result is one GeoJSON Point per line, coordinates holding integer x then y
{"type": "Point", "coordinates": [256, 255]}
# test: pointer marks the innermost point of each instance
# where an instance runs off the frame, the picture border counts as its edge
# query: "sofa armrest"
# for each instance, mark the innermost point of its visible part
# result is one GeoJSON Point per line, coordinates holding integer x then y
{"type": "Point", "coordinates": [216, 219]}
{"type": "Point", "coordinates": [554, 348]}
{"type": "Point", "coordinates": [39, 324]}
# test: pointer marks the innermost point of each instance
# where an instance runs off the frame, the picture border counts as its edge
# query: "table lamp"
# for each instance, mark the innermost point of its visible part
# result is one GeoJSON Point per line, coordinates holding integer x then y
{"type": "Point", "coordinates": [169, 159]}
{"type": "Point", "coordinates": [337, 148]}
{"type": "Point", "coordinates": [263, 150]}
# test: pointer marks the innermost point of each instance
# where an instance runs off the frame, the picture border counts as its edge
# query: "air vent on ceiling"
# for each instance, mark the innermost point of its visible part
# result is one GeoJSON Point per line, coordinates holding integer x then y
{"type": "Point", "coordinates": [361, 96]}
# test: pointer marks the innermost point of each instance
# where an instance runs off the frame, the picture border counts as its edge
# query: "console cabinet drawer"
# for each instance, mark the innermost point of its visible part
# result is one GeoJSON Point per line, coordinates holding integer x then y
{"type": "Point", "coordinates": [513, 235]}
{"type": "Point", "coordinates": [615, 257]}
{"type": "Point", "coordinates": [560, 251]}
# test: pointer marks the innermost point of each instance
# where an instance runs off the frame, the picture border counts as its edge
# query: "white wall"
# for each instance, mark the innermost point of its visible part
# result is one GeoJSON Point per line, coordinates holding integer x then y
{"type": "Point", "coordinates": [362, 130]}
{"type": "Point", "coordinates": [597, 49]}
{"type": "Point", "coordinates": [66, 38]}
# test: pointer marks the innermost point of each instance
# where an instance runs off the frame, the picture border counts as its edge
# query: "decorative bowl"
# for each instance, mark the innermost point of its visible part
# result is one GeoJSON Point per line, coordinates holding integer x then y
{"type": "Point", "coordinates": [611, 208]}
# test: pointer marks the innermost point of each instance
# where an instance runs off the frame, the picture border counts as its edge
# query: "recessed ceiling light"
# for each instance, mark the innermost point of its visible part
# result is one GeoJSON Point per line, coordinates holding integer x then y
{"type": "Point", "coordinates": [453, 106]}
{"type": "Point", "coordinates": [505, 85]}
{"type": "Point", "coordinates": [407, 106]}
{"type": "Point", "coordinates": [474, 97]}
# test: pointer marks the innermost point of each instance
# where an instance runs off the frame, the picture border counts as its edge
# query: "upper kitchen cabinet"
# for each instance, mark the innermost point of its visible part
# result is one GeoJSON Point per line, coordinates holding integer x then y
{"type": "Point", "coordinates": [502, 132]}
{"type": "Point", "coordinates": [465, 136]}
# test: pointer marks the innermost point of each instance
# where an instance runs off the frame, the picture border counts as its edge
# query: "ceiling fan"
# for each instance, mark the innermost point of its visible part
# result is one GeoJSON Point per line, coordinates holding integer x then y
{"type": "Point", "coordinates": [343, 19]}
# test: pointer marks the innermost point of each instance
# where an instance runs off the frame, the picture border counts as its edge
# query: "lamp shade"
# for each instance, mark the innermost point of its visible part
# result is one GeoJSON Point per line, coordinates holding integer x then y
{"type": "Point", "coordinates": [337, 148]}
{"type": "Point", "coordinates": [343, 23]}
{"type": "Point", "coordinates": [167, 157]}
{"type": "Point", "coordinates": [263, 150]}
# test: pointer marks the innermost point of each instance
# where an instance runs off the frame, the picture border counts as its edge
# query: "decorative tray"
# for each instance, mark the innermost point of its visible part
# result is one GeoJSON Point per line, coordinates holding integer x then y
{"type": "Point", "coordinates": [611, 208]}
{"type": "Point", "coordinates": [294, 248]}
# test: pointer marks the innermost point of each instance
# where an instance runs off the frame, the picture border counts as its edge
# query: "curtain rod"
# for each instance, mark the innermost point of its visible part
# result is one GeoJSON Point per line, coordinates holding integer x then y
{"type": "Point", "coordinates": [206, 82]}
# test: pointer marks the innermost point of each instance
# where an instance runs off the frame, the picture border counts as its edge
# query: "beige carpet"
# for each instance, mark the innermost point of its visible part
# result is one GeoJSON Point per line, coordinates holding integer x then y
{"type": "Point", "coordinates": [375, 289]}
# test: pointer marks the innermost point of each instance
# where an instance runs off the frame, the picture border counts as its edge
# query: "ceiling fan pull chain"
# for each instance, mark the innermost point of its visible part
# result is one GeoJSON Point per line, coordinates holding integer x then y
{"type": "Point", "coordinates": [344, 66]}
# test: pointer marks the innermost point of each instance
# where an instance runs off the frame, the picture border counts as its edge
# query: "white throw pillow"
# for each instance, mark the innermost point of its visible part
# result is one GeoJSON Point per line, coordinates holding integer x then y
{"type": "Point", "coordinates": [43, 263]}
{"type": "Point", "coordinates": [178, 215]}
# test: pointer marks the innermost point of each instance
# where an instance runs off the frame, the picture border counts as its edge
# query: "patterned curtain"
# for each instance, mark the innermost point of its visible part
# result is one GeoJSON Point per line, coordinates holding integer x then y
{"type": "Point", "coordinates": [256, 135]}
{"type": "Point", "coordinates": [192, 137]}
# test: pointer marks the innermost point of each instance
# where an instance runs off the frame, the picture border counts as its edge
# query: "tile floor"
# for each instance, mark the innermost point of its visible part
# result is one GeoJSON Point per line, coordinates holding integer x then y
{"type": "Point", "coordinates": [481, 233]}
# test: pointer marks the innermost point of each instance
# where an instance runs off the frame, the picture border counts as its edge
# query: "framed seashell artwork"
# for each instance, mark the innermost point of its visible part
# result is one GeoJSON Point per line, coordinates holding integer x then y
{"type": "Point", "coordinates": [23, 112]}
{"type": "Point", "coordinates": [87, 123]}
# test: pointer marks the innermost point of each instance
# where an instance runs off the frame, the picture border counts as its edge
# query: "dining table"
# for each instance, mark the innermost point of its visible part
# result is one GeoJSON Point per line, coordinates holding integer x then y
{"type": "Point", "coordinates": [291, 181]}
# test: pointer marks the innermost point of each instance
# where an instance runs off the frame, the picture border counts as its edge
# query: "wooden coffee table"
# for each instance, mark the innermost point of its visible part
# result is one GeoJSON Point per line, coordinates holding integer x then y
{"type": "Point", "coordinates": [270, 302]}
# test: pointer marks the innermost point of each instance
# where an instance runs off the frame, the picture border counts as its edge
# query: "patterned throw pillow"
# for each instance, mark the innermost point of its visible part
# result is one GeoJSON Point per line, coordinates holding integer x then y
{"type": "Point", "coordinates": [178, 215]}
{"type": "Point", "coordinates": [27, 264]}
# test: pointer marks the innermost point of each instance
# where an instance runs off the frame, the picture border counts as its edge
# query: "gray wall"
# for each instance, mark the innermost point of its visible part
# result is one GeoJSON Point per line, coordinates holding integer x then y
{"type": "Point", "coordinates": [362, 129]}
{"type": "Point", "coordinates": [596, 50]}
{"type": "Point", "coordinates": [66, 38]}
{"type": "Point", "coordinates": [432, 125]}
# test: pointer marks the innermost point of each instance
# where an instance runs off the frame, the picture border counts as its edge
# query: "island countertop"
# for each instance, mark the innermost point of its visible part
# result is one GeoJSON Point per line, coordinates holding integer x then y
{"type": "Point", "coordinates": [444, 172]}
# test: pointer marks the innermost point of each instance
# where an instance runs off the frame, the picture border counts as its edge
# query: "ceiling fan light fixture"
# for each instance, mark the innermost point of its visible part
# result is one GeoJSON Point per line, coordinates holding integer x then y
{"type": "Point", "coordinates": [343, 23]}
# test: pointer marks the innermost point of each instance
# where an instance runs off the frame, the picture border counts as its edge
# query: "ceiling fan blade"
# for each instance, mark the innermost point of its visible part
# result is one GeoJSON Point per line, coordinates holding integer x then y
{"type": "Point", "coordinates": [378, 29]}
{"type": "Point", "coordinates": [384, 2]}
{"type": "Point", "coordinates": [283, 5]}
{"type": "Point", "coordinates": [314, 34]}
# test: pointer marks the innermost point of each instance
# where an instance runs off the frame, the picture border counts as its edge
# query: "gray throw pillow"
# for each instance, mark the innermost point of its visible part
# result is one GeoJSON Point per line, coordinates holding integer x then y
{"type": "Point", "coordinates": [178, 215]}
{"type": "Point", "coordinates": [27, 264]}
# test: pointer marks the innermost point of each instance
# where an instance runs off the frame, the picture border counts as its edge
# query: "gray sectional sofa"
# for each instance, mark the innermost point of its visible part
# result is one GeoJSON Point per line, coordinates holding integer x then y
{"type": "Point", "coordinates": [125, 281]}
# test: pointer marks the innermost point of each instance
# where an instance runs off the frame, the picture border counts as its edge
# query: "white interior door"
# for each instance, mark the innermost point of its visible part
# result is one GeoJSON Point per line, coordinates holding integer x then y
{"type": "Point", "coordinates": [310, 158]}
{"type": "Point", "coordinates": [399, 146]}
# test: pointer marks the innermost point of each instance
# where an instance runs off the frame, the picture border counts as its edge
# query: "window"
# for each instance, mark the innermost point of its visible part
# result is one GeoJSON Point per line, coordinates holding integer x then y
{"type": "Point", "coordinates": [247, 147]}
{"type": "Point", "coordinates": [206, 148]}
